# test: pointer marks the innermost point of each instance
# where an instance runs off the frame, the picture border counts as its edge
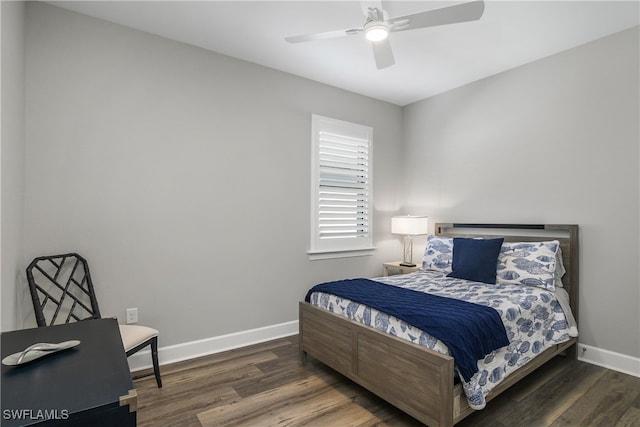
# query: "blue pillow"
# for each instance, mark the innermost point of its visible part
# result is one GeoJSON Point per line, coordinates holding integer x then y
{"type": "Point", "coordinates": [475, 259]}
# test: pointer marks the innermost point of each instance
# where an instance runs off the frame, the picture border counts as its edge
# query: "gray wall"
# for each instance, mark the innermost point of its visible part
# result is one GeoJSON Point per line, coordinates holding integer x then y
{"type": "Point", "coordinates": [184, 175]}
{"type": "Point", "coordinates": [555, 141]}
{"type": "Point", "coordinates": [12, 166]}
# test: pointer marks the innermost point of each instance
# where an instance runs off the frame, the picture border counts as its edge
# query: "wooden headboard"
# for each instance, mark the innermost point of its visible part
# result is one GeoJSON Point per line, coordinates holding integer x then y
{"type": "Point", "coordinates": [567, 235]}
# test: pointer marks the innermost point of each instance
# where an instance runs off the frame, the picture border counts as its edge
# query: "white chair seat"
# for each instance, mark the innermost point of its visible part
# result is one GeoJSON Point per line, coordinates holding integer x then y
{"type": "Point", "coordinates": [134, 335]}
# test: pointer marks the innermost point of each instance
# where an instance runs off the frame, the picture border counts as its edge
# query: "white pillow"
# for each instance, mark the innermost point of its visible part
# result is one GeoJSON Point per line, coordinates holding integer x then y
{"type": "Point", "coordinates": [438, 255]}
{"type": "Point", "coordinates": [528, 263]}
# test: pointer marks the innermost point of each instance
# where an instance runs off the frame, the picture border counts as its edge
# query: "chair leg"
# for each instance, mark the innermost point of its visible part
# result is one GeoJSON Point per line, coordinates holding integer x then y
{"type": "Point", "coordinates": [154, 358]}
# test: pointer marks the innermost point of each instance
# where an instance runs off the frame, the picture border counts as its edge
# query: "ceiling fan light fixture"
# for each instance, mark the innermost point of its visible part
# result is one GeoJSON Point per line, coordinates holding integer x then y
{"type": "Point", "coordinates": [376, 31]}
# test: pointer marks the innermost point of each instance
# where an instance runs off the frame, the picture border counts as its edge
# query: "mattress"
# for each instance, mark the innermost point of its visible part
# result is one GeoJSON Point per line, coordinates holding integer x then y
{"type": "Point", "coordinates": [533, 318]}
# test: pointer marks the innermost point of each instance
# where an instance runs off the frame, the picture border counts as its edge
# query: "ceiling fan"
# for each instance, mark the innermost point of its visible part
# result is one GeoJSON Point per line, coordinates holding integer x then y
{"type": "Point", "coordinates": [377, 26]}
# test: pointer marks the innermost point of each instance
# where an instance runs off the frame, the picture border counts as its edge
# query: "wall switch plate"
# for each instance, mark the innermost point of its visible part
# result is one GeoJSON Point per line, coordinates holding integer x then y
{"type": "Point", "coordinates": [132, 315]}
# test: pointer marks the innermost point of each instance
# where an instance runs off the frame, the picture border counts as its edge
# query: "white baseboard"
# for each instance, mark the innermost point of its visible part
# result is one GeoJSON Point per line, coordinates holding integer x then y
{"type": "Point", "coordinates": [204, 347]}
{"type": "Point", "coordinates": [609, 359]}
{"type": "Point", "coordinates": [189, 350]}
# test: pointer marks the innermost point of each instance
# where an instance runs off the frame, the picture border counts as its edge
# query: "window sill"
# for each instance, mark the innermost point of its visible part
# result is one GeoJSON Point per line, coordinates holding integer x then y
{"type": "Point", "coordinates": [340, 253]}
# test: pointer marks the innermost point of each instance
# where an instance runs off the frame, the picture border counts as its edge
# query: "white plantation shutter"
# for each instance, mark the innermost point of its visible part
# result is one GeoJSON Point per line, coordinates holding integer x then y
{"type": "Point", "coordinates": [341, 186]}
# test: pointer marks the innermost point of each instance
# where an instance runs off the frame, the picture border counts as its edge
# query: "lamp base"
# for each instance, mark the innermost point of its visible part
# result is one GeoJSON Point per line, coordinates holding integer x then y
{"type": "Point", "coordinates": [407, 264]}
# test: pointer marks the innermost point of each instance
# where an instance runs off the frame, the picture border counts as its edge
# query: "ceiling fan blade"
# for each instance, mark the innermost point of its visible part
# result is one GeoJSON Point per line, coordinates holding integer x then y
{"type": "Point", "coordinates": [320, 36]}
{"type": "Point", "coordinates": [464, 12]}
{"type": "Point", "coordinates": [383, 54]}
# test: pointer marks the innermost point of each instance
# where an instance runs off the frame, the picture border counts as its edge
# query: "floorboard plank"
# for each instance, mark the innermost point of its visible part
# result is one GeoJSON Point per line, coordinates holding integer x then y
{"type": "Point", "coordinates": [277, 406]}
{"type": "Point", "coordinates": [605, 405]}
{"type": "Point", "coordinates": [631, 418]}
{"type": "Point", "coordinates": [547, 403]}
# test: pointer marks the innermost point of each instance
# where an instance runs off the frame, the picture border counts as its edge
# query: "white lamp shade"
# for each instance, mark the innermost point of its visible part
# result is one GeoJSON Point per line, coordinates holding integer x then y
{"type": "Point", "coordinates": [410, 225]}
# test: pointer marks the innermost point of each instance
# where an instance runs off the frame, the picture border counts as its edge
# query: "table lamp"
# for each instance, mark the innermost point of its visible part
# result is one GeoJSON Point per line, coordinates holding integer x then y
{"type": "Point", "coordinates": [409, 226]}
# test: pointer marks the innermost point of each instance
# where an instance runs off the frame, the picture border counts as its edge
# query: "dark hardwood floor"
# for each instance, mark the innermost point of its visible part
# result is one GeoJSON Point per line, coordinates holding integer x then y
{"type": "Point", "coordinates": [264, 385]}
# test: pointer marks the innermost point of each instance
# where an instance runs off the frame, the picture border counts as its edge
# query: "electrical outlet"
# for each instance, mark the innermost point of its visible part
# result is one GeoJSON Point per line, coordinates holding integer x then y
{"type": "Point", "coordinates": [132, 315]}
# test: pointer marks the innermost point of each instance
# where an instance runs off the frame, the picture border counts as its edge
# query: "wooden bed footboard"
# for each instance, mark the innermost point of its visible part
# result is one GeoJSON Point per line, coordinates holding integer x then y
{"type": "Point", "coordinates": [415, 379]}
{"type": "Point", "coordinates": [411, 377]}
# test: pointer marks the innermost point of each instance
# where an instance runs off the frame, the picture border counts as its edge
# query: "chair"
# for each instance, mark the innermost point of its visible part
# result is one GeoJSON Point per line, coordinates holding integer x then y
{"type": "Point", "coordinates": [62, 292]}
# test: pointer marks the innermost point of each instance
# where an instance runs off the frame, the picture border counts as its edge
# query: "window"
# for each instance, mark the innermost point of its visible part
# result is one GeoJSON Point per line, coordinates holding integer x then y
{"type": "Point", "coordinates": [340, 189]}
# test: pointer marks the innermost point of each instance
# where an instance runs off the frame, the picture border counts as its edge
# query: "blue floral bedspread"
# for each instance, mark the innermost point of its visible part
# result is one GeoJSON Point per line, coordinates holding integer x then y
{"type": "Point", "coordinates": [533, 319]}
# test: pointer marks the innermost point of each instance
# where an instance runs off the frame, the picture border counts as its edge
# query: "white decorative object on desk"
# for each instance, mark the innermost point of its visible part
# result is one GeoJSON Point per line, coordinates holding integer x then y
{"type": "Point", "coordinates": [37, 351]}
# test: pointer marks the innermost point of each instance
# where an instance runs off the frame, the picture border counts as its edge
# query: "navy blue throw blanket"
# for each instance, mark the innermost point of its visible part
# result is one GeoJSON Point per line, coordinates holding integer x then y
{"type": "Point", "coordinates": [470, 331]}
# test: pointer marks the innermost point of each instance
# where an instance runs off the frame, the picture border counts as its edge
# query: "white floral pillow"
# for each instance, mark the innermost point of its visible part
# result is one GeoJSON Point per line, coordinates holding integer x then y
{"type": "Point", "coordinates": [438, 254]}
{"type": "Point", "coordinates": [528, 263]}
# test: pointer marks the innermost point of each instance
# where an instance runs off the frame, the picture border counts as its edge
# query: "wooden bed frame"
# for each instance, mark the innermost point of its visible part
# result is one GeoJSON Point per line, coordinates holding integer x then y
{"type": "Point", "coordinates": [411, 377]}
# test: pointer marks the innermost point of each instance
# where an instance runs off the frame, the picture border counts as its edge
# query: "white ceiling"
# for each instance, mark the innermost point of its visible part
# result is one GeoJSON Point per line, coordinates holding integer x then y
{"type": "Point", "coordinates": [428, 61]}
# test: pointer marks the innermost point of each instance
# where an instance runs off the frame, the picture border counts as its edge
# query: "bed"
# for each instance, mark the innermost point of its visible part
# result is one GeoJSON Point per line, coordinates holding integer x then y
{"type": "Point", "coordinates": [414, 378]}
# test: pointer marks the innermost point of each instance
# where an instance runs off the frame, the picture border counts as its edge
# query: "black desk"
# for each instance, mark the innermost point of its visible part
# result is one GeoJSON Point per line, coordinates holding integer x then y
{"type": "Point", "coordinates": [82, 386]}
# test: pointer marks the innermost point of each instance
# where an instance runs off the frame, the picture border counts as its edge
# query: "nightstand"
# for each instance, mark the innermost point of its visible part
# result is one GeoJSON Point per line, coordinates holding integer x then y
{"type": "Point", "coordinates": [391, 268]}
